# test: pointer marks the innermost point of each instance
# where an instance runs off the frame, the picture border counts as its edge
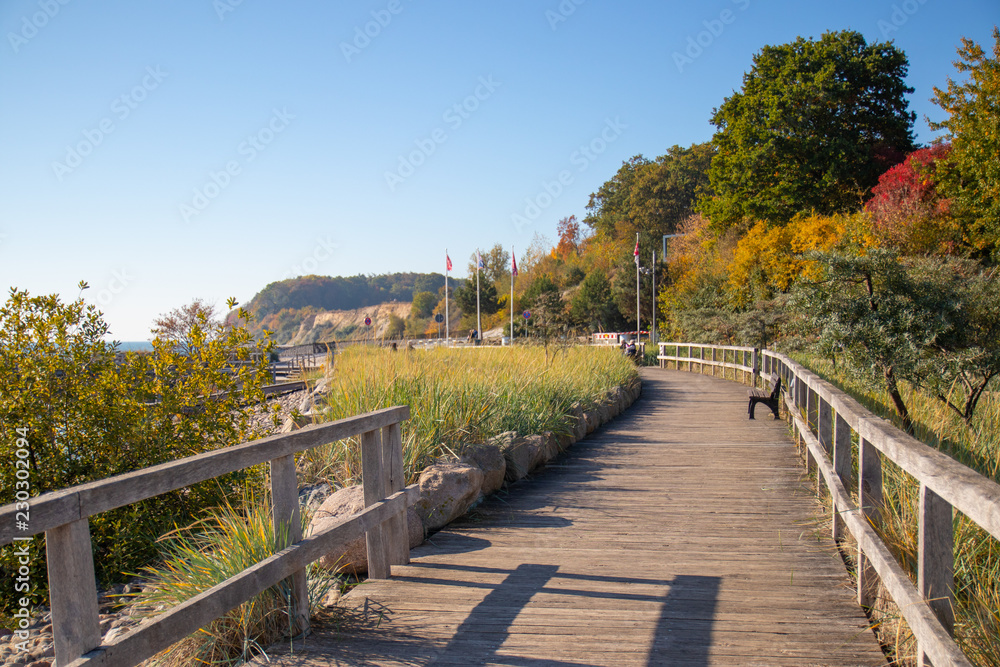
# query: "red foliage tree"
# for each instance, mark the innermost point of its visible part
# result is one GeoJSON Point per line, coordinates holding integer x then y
{"type": "Point", "coordinates": [908, 213]}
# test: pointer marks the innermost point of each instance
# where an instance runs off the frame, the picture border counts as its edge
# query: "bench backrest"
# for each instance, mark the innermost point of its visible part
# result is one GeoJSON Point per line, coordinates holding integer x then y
{"type": "Point", "coordinates": [776, 385]}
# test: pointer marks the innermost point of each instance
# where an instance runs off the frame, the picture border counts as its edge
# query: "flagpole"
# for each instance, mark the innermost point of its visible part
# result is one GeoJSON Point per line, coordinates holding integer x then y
{"type": "Point", "coordinates": [638, 328]}
{"type": "Point", "coordinates": [513, 265]}
{"type": "Point", "coordinates": [447, 322]}
{"type": "Point", "coordinates": [652, 328]}
{"type": "Point", "coordinates": [479, 321]}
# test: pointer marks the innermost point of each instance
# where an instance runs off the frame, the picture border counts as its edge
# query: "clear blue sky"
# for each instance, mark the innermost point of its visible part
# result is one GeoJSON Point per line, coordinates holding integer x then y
{"type": "Point", "coordinates": [286, 118]}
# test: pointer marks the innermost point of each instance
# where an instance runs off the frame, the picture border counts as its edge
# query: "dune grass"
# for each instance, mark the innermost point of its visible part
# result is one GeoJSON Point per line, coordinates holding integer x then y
{"type": "Point", "coordinates": [229, 540]}
{"type": "Point", "coordinates": [459, 396]}
{"type": "Point", "coordinates": [977, 554]}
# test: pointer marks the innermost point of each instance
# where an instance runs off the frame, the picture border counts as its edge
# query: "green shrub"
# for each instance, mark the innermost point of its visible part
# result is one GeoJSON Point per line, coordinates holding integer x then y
{"type": "Point", "coordinates": [87, 412]}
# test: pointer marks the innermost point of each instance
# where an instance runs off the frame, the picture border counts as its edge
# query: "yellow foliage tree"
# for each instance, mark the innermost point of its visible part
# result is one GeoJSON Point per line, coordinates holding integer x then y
{"type": "Point", "coordinates": [769, 259]}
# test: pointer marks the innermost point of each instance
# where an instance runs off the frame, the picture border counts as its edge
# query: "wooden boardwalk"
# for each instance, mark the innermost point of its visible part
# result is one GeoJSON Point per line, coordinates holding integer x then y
{"type": "Point", "coordinates": [679, 534]}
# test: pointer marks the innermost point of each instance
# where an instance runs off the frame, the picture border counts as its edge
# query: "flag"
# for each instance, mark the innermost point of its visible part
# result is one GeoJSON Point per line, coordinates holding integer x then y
{"type": "Point", "coordinates": [448, 265]}
{"type": "Point", "coordinates": [513, 264]}
{"type": "Point", "coordinates": [637, 252]}
{"type": "Point", "coordinates": [479, 261]}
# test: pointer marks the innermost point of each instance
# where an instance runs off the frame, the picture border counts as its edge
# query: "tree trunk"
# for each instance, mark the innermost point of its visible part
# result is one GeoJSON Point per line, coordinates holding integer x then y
{"type": "Point", "coordinates": [897, 400]}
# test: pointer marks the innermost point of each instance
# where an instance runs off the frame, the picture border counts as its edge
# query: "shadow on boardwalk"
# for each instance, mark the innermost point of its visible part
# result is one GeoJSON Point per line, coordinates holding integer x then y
{"type": "Point", "coordinates": [680, 534]}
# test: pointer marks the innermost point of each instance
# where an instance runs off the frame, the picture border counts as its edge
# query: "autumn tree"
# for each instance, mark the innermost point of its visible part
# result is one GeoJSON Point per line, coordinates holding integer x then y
{"type": "Point", "coordinates": [970, 176]}
{"type": "Point", "coordinates": [814, 125]}
{"type": "Point", "coordinates": [907, 209]}
{"type": "Point", "coordinates": [178, 325]}
{"type": "Point", "coordinates": [568, 230]}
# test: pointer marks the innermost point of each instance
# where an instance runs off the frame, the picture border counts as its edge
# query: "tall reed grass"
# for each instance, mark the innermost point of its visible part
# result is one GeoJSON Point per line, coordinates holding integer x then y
{"type": "Point", "coordinates": [229, 540]}
{"type": "Point", "coordinates": [977, 554]}
{"type": "Point", "coordinates": [459, 396]}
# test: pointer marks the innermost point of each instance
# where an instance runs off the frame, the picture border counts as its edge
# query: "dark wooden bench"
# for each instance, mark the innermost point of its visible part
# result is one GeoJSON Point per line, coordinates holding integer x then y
{"type": "Point", "coordinates": [770, 400]}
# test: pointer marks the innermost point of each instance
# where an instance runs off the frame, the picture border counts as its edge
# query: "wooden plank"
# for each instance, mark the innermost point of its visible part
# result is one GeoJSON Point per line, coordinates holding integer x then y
{"type": "Point", "coordinates": [870, 495]}
{"type": "Point", "coordinates": [841, 464]}
{"type": "Point", "coordinates": [395, 480]}
{"type": "Point", "coordinates": [147, 640]}
{"type": "Point", "coordinates": [72, 593]}
{"type": "Point", "coordinates": [60, 507]}
{"type": "Point", "coordinates": [936, 556]}
{"type": "Point", "coordinates": [287, 524]}
{"type": "Point", "coordinates": [932, 636]}
{"type": "Point", "coordinates": [374, 490]}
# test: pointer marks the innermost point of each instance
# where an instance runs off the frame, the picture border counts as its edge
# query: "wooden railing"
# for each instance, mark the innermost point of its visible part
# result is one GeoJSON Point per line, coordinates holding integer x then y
{"type": "Point", "coordinates": [62, 516]}
{"type": "Point", "coordinates": [826, 421]}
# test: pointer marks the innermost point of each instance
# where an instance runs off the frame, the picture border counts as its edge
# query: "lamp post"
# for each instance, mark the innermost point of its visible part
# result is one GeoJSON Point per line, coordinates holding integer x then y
{"type": "Point", "coordinates": [663, 258]}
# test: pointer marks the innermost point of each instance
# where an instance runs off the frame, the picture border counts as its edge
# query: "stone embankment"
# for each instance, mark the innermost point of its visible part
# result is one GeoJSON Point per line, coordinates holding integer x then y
{"type": "Point", "coordinates": [453, 485]}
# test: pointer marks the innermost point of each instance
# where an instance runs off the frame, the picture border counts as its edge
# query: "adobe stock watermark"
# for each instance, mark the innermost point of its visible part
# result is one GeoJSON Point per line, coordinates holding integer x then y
{"type": "Point", "coordinates": [248, 149]}
{"type": "Point", "coordinates": [901, 13]}
{"type": "Point", "coordinates": [454, 117]}
{"type": "Point", "coordinates": [581, 158]}
{"type": "Point", "coordinates": [223, 7]}
{"type": "Point", "coordinates": [118, 283]}
{"type": "Point", "coordinates": [562, 13]}
{"type": "Point", "coordinates": [31, 25]}
{"type": "Point", "coordinates": [22, 522]}
{"type": "Point", "coordinates": [363, 35]}
{"type": "Point", "coordinates": [697, 44]}
{"type": "Point", "coordinates": [321, 252]}
{"type": "Point", "coordinates": [121, 108]}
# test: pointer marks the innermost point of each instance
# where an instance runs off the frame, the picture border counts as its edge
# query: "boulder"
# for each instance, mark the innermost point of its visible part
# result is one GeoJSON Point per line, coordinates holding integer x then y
{"type": "Point", "coordinates": [606, 411]}
{"type": "Point", "coordinates": [550, 446]}
{"type": "Point", "coordinates": [592, 419]}
{"type": "Point", "coordinates": [353, 557]}
{"type": "Point", "coordinates": [311, 498]}
{"type": "Point", "coordinates": [521, 456]}
{"type": "Point", "coordinates": [447, 490]}
{"type": "Point", "coordinates": [489, 459]}
{"type": "Point", "coordinates": [565, 441]}
{"type": "Point", "coordinates": [539, 445]}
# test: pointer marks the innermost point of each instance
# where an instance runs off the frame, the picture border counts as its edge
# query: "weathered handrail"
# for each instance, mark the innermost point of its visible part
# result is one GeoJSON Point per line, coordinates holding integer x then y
{"type": "Point", "coordinates": [62, 516]}
{"type": "Point", "coordinates": [826, 421]}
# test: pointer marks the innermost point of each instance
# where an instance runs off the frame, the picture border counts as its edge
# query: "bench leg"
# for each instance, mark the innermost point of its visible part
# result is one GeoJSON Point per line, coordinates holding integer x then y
{"type": "Point", "coordinates": [774, 409]}
{"type": "Point", "coordinates": [750, 408]}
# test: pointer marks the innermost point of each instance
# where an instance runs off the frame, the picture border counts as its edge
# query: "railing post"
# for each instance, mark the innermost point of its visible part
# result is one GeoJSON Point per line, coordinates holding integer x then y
{"type": "Point", "coordinates": [72, 590]}
{"type": "Point", "coordinates": [397, 532]}
{"type": "Point", "coordinates": [714, 360]}
{"type": "Point", "coordinates": [936, 560]}
{"type": "Point", "coordinates": [287, 531]}
{"type": "Point", "coordinates": [812, 411]}
{"type": "Point", "coordinates": [841, 464]}
{"type": "Point", "coordinates": [870, 498]}
{"type": "Point", "coordinates": [824, 434]}
{"type": "Point", "coordinates": [374, 490]}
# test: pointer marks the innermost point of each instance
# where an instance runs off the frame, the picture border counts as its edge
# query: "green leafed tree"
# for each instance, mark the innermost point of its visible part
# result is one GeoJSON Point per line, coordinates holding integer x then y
{"type": "Point", "coordinates": [970, 176]}
{"type": "Point", "coordinates": [423, 304]}
{"type": "Point", "coordinates": [593, 306]}
{"type": "Point", "coordinates": [650, 196]}
{"type": "Point", "coordinates": [931, 321]}
{"type": "Point", "coordinates": [814, 125]}
{"type": "Point", "coordinates": [465, 297]}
